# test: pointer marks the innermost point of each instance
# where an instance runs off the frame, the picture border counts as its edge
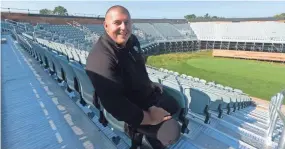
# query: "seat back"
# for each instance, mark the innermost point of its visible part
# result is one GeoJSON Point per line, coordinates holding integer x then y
{"type": "Point", "coordinates": [86, 87]}
{"type": "Point", "coordinates": [180, 99]}
{"type": "Point", "coordinates": [69, 73]}
{"type": "Point", "coordinates": [199, 100]}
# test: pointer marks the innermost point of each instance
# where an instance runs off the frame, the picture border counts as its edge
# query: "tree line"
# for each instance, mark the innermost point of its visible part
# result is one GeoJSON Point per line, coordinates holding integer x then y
{"type": "Point", "coordinates": [280, 16]}
{"type": "Point", "coordinates": [206, 16]}
{"type": "Point", "coordinates": [59, 10]}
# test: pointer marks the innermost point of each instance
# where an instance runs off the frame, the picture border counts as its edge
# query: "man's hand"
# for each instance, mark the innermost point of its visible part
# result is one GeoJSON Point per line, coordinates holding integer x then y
{"type": "Point", "coordinates": [158, 115]}
{"type": "Point", "coordinates": [155, 115]}
{"type": "Point", "coordinates": [157, 85]}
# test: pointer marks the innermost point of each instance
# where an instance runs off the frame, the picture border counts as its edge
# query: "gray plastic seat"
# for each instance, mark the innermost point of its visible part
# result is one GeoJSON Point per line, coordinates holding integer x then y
{"type": "Point", "coordinates": [53, 63]}
{"type": "Point", "coordinates": [34, 51]}
{"type": "Point", "coordinates": [41, 51]}
{"type": "Point", "coordinates": [85, 86]}
{"type": "Point", "coordinates": [68, 71]}
{"type": "Point", "coordinates": [56, 64]}
{"type": "Point", "coordinates": [200, 103]}
{"type": "Point", "coordinates": [63, 69]}
{"type": "Point", "coordinates": [180, 115]}
{"type": "Point", "coordinates": [227, 102]}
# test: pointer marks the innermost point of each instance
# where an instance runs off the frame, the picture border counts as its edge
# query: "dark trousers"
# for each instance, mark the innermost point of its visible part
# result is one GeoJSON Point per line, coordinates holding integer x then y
{"type": "Point", "coordinates": [169, 104]}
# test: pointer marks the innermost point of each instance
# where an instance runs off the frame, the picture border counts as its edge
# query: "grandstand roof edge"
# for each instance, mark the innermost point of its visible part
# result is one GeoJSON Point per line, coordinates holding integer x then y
{"type": "Point", "coordinates": [238, 19]}
{"type": "Point", "coordinates": [57, 16]}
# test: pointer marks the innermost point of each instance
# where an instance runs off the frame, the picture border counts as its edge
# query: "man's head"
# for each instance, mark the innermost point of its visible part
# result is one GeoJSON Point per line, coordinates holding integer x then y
{"type": "Point", "coordinates": [118, 24]}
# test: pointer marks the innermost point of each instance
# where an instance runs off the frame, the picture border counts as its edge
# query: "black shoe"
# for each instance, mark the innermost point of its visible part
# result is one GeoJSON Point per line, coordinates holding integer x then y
{"type": "Point", "coordinates": [155, 144]}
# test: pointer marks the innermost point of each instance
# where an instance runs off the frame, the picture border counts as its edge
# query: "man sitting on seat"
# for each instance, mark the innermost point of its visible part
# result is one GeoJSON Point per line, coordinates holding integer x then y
{"type": "Point", "coordinates": [117, 70]}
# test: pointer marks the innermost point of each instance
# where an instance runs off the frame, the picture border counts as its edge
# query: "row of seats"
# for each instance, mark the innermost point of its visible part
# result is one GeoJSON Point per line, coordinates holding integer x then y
{"type": "Point", "coordinates": [270, 32]}
{"type": "Point", "coordinates": [149, 33]}
{"type": "Point", "coordinates": [168, 31]}
{"type": "Point", "coordinates": [5, 25]}
{"type": "Point", "coordinates": [97, 28]}
{"type": "Point", "coordinates": [203, 96]}
{"type": "Point", "coordinates": [225, 31]}
{"type": "Point", "coordinates": [65, 31]}
{"type": "Point", "coordinates": [79, 43]}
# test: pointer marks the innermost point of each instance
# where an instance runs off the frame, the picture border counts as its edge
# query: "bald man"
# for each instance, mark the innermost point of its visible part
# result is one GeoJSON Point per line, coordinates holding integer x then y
{"type": "Point", "coordinates": [117, 70]}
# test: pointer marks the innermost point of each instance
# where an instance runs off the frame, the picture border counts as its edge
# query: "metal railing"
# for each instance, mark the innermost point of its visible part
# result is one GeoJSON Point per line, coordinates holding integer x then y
{"type": "Point", "coordinates": [19, 10]}
{"type": "Point", "coordinates": [274, 114]}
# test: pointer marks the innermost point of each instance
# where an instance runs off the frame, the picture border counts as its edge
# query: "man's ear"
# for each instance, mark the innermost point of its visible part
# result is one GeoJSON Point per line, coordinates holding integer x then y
{"type": "Point", "coordinates": [105, 26]}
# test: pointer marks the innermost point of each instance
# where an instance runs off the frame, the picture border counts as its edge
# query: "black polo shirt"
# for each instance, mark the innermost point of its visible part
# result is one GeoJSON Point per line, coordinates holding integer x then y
{"type": "Point", "coordinates": [120, 79]}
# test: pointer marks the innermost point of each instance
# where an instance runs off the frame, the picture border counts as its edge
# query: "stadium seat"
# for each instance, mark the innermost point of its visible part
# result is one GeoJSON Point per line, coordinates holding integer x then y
{"type": "Point", "coordinates": [168, 31]}
{"type": "Point", "coordinates": [180, 116]}
{"type": "Point", "coordinates": [68, 73]}
{"type": "Point", "coordinates": [57, 66]}
{"type": "Point", "coordinates": [85, 87]}
{"type": "Point", "coordinates": [149, 30]}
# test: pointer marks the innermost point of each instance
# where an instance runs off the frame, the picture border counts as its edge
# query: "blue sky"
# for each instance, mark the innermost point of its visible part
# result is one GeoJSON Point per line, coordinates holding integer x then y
{"type": "Point", "coordinates": [161, 9]}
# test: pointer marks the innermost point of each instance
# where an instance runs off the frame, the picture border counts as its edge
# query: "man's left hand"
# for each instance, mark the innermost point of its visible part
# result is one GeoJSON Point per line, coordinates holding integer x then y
{"type": "Point", "coordinates": [157, 85]}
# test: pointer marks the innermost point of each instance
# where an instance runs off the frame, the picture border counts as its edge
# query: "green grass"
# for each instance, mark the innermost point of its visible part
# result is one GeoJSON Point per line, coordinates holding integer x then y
{"type": "Point", "coordinates": [258, 79]}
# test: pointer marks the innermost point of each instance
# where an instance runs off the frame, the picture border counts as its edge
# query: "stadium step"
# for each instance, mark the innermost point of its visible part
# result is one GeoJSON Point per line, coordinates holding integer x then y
{"type": "Point", "coordinates": [250, 120]}
{"type": "Point", "coordinates": [241, 124]}
{"type": "Point", "coordinates": [256, 113]}
{"type": "Point", "coordinates": [239, 133]}
{"type": "Point", "coordinates": [247, 126]}
{"type": "Point", "coordinates": [208, 137]}
{"type": "Point", "coordinates": [261, 118]}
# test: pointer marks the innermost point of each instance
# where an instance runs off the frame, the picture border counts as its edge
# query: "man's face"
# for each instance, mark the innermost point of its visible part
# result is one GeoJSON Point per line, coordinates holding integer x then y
{"type": "Point", "coordinates": [118, 26]}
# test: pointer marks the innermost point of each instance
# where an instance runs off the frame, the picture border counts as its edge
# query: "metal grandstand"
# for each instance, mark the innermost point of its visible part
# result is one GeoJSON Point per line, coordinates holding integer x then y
{"type": "Point", "coordinates": [48, 98]}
